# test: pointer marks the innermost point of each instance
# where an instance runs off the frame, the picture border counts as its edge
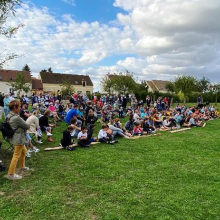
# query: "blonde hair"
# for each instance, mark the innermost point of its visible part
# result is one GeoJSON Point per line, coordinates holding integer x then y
{"type": "Point", "coordinates": [36, 112]}
{"type": "Point", "coordinates": [91, 112]}
{"type": "Point", "coordinates": [35, 105]}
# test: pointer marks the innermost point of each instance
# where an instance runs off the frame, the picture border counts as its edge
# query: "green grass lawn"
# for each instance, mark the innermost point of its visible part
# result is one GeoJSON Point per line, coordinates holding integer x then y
{"type": "Point", "coordinates": [172, 176]}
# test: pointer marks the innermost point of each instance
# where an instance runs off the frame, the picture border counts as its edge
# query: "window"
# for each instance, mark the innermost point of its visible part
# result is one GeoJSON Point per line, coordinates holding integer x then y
{"type": "Point", "coordinates": [87, 92]}
{"type": "Point", "coordinates": [0, 77]}
{"type": "Point", "coordinates": [84, 84]}
{"type": "Point", "coordinates": [76, 82]}
{"type": "Point", "coordinates": [79, 92]}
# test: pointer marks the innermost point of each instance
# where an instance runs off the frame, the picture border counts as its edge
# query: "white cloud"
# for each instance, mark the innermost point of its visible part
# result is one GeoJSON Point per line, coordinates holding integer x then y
{"type": "Point", "coordinates": [70, 2]}
{"type": "Point", "coordinates": [162, 38]}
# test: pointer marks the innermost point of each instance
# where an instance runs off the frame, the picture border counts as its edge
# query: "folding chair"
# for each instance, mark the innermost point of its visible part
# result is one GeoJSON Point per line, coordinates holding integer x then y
{"type": "Point", "coordinates": [10, 147]}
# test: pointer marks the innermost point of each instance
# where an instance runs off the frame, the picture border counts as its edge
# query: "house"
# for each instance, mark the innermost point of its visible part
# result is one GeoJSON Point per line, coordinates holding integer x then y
{"type": "Point", "coordinates": [7, 76]}
{"type": "Point", "coordinates": [37, 85]}
{"type": "Point", "coordinates": [52, 82]}
{"type": "Point", "coordinates": [157, 86]}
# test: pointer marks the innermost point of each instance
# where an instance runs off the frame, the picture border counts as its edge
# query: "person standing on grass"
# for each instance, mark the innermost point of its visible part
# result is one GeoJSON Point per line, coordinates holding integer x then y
{"type": "Point", "coordinates": [18, 139]}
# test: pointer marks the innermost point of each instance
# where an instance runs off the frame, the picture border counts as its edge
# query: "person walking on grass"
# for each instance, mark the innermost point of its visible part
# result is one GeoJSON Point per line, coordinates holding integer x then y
{"type": "Point", "coordinates": [18, 139]}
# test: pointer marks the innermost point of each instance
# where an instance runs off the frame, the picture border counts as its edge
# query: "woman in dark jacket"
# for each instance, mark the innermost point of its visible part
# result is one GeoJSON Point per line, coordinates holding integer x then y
{"type": "Point", "coordinates": [45, 126]}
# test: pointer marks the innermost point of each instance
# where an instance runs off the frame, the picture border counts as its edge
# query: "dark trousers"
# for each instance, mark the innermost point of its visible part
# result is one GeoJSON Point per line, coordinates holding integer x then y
{"type": "Point", "coordinates": [84, 143]}
{"type": "Point", "coordinates": [105, 140]}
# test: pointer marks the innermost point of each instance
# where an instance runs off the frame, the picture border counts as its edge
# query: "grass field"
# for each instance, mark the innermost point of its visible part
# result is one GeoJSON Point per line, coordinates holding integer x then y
{"type": "Point", "coordinates": [172, 176]}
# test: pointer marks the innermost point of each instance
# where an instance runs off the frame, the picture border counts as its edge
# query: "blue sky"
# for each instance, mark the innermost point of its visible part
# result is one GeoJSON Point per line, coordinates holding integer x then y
{"type": "Point", "coordinates": [83, 10]}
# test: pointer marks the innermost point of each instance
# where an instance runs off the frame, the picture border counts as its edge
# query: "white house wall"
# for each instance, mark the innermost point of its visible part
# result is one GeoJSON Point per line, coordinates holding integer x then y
{"type": "Point", "coordinates": [6, 88]}
{"type": "Point", "coordinates": [78, 88]}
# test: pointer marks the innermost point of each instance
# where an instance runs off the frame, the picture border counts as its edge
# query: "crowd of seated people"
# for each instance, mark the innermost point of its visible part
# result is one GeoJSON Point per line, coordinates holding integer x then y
{"type": "Point", "coordinates": [81, 115]}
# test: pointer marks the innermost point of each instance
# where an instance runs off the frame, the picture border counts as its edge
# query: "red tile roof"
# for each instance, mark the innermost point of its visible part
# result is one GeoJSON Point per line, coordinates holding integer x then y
{"type": "Point", "coordinates": [37, 84]}
{"type": "Point", "coordinates": [10, 75]}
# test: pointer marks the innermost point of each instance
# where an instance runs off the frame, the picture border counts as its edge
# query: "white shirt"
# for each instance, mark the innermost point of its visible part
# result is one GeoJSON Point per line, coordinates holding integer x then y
{"type": "Point", "coordinates": [102, 134]}
{"type": "Point", "coordinates": [82, 135]}
{"type": "Point", "coordinates": [136, 117]}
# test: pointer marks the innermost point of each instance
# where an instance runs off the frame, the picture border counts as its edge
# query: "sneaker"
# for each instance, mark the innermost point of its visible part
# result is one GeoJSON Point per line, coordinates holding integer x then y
{"type": "Point", "coordinates": [34, 149]}
{"type": "Point", "coordinates": [28, 154]}
{"type": "Point", "coordinates": [111, 142]}
{"type": "Point", "coordinates": [49, 134]}
{"type": "Point", "coordinates": [14, 177]}
{"type": "Point", "coordinates": [116, 141]}
{"type": "Point", "coordinates": [24, 169]}
{"type": "Point", "coordinates": [125, 136]}
{"type": "Point", "coordinates": [39, 142]}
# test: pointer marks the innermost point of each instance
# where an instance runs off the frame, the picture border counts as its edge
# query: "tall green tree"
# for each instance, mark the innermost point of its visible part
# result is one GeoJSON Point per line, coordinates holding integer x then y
{"type": "Point", "coordinates": [215, 88]}
{"type": "Point", "coordinates": [186, 84]}
{"type": "Point", "coordinates": [26, 68]}
{"type": "Point", "coordinates": [20, 83]}
{"type": "Point", "coordinates": [43, 71]}
{"type": "Point", "coordinates": [50, 70]}
{"type": "Point", "coordinates": [203, 85]}
{"type": "Point", "coordinates": [108, 85]}
{"type": "Point", "coordinates": [67, 88]}
{"type": "Point", "coordinates": [124, 83]}
{"type": "Point", "coordinates": [170, 87]}
{"type": "Point", "coordinates": [7, 8]}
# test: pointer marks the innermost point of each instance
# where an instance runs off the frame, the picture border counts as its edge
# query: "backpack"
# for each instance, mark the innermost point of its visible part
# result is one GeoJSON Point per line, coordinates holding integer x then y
{"type": "Point", "coordinates": [5, 128]}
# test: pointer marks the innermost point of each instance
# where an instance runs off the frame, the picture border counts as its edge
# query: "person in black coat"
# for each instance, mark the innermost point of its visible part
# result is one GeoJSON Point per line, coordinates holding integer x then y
{"type": "Point", "coordinates": [67, 140]}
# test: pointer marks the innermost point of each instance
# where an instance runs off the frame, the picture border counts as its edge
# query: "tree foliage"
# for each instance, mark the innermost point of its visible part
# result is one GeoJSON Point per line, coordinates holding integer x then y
{"type": "Point", "coordinates": [7, 9]}
{"type": "Point", "coordinates": [215, 88]}
{"type": "Point", "coordinates": [67, 88]}
{"type": "Point", "coordinates": [26, 68]}
{"type": "Point", "coordinates": [20, 83]}
{"type": "Point", "coordinates": [50, 70]}
{"type": "Point", "coordinates": [121, 83]}
{"type": "Point", "coordinates": [185, 83]}
{"type": "Point", "coordinates": [108, 85]}
{"type": "Point", "coordinates": [203, 85]}
{"type": "Point", "coordinates": [170, 87]}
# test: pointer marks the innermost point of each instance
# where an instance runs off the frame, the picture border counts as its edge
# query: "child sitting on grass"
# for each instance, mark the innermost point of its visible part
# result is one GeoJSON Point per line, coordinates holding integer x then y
{"type": "Point", "coordinates": [104, 137]}
{"type": "Point", "coordinates": [138, 130]}
{"type": "Point", "coordinates": [67, 141]}
{"type": "Point", "coordinates": [83, 138]}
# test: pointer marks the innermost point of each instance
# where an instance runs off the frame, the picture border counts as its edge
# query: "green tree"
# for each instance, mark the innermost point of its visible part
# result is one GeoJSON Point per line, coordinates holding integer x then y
{"type": "Point", "coordinates": [203, 85]}
{"type": "Point", "coordinates": [26, 68]}
{"type": "Point", "coordinates": [20, 83]}
{"type": "Point", "coordinates": [170, 86]}
{"type": "Point", "coordinates": [186, 84]}
{"type": "Point", "coordinates": [7, 8]}
{"type": "Point", "coordinates": [67, 88]}
{"type": "Point", "coordinates": [43, 71]}
{"type": "Point", "coordinates": [124, 83]}
{"type": "Point", "coordinates": [50, 70]}
{"type": "Point", "coordinates": [215, 88]}
{"type": "Point", "coordinates": [108, 85]}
